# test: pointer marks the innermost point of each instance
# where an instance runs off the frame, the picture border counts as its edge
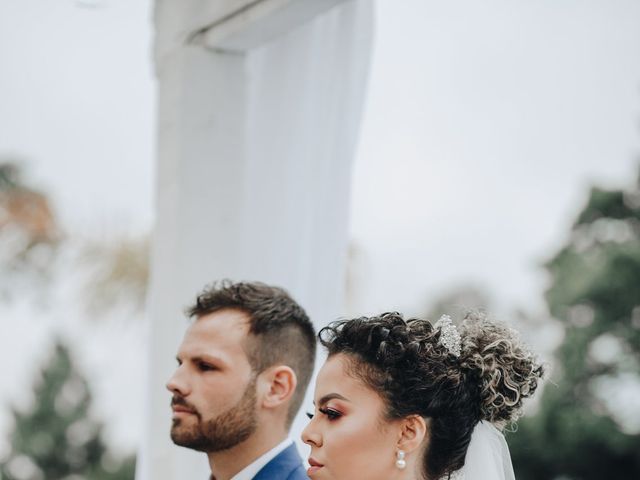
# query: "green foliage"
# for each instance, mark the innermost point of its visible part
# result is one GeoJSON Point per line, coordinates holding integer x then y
{"type": "Point", "coordinates": [56, 439]}
{"type": "Point", "coordinates": [9, 176]}
{"type": "Point", "coordinates": [595, 293]}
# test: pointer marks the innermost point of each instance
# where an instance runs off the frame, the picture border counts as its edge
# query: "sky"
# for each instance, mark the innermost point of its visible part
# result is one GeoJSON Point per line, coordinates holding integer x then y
{"type": "Point", "coordinates": [485, 125]}
{"type": "Point", "coordinates": [78, 105]}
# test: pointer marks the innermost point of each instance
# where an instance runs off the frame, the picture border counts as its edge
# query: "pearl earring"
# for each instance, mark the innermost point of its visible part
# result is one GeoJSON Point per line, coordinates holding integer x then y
{"type": "Point", "coordinates": [400, 461]}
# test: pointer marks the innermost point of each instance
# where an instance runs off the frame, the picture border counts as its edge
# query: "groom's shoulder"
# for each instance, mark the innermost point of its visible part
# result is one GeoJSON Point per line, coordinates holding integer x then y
{"type": "Point", "coordinates": [287, 465]}
{"type": "Point", "coordinates": [298, 473]}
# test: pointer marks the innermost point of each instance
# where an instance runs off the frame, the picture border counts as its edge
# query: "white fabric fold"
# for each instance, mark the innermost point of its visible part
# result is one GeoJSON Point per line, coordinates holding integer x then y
{"type": "Point", "coordinates": [488, 456]}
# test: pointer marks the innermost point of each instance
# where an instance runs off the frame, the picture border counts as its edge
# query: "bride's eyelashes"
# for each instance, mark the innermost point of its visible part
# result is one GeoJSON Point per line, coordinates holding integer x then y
{"type": "Point", "coordinates": [330, 413]}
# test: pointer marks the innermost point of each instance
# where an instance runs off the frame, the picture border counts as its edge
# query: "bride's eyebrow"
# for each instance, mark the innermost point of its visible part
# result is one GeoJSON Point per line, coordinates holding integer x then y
{"type": "Point", "coordinates": [331, 396]}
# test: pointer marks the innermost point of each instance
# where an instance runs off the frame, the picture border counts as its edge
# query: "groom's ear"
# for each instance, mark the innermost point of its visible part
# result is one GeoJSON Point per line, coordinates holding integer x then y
{"type": "Point", "coordinates": [413, 431]}
{"type": "Point", "coordinates": [277, 385]}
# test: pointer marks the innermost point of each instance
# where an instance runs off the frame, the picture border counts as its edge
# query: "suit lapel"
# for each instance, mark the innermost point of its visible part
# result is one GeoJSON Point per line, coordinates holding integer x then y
{"type": "Point", "coordinates": [281, 465]}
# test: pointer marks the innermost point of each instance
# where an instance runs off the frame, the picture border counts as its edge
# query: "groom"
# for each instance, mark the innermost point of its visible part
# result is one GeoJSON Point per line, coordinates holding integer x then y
{"type": "Point", "coordinates": [243, 368]}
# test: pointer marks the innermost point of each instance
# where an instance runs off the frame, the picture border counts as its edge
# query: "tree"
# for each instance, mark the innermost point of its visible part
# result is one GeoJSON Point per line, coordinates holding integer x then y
{"type": "Point", "coordinates": [28, 232]}
{"type": "Point", "coordinates": [580, 432]}
{"type": "Point", "coordinates": [57, 439]}
{"type": "Point", "coordinates": [115, 270]}
{"type": "Point", "coordinates": [117, 273]}
{"type": "Point", "coordinates": [459, 301]}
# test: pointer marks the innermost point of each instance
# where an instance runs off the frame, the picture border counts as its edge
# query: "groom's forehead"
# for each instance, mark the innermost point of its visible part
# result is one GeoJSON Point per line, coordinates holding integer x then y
{"type": "Point", "coordinates": [223, 325]}
{"type": "Point", "coordinates": [216, 334]}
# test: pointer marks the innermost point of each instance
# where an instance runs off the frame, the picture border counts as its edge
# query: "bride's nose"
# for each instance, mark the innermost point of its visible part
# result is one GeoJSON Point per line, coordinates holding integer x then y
{"type": "Point", "coordinates": [311, 436]}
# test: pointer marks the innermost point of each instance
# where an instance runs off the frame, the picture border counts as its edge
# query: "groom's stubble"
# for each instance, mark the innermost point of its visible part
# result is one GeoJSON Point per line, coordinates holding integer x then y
{"type": "Point", "coordinates": [222, 432]}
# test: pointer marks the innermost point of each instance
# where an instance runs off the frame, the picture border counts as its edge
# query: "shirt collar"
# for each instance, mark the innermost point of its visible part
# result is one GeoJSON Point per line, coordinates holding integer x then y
{"type": "Point", "coordinates": [251, 470]}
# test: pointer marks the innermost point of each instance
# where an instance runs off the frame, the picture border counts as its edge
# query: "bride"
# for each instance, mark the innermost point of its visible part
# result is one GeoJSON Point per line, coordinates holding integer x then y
{"type": "Point", "coordinates": [408, 400]}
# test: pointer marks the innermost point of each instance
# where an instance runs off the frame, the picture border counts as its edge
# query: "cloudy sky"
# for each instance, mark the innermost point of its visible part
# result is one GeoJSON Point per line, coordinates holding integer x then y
{"type": "Point", "coordinates": [486, 122]}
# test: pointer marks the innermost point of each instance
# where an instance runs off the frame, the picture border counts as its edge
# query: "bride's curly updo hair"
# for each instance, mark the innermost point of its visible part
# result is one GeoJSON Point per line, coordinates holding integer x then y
{"type": "Point", "coordinates": [406, 363]}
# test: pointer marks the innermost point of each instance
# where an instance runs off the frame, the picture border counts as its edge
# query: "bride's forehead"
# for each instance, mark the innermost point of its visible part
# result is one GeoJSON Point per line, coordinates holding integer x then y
{"type": "Point", "coordinates": [337, 373]}
{"type": "Point", "coordinates": [335, 366]}
{"type": "Point", "coordinates": [336, 382]}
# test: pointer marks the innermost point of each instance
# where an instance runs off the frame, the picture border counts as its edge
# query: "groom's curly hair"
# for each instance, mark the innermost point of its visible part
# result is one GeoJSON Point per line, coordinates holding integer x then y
{"type": "Point", "coordinates": [405, 362]}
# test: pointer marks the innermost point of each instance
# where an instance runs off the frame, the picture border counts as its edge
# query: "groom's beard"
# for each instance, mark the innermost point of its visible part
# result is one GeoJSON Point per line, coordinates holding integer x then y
{"type": "Point", "coordinates": [222, 432]}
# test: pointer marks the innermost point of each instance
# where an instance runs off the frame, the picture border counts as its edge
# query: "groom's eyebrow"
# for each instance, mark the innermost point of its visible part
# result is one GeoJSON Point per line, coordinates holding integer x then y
{"type": "Point", "coordinates": [331, 396]}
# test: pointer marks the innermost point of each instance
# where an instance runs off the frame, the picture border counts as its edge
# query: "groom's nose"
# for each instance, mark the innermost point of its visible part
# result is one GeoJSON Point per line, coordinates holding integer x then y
{"type": "Point", "coordinates": [178, 384]}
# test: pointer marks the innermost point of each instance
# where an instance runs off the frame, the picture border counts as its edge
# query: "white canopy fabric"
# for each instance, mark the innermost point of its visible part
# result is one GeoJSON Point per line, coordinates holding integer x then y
{"type": "Point", "coordinates": [255, 152]}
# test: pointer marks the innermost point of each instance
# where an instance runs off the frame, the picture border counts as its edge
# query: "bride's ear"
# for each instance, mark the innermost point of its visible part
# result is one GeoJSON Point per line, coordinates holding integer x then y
{"type": "Point", "coordinates": [413, 431]}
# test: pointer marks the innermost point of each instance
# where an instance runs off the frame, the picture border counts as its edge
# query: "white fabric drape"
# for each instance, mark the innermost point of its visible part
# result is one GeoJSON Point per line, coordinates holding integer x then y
{"type": "Point", "coordinates": [487, 457]}
{"type": "Point", "coordinates": [254, 162]}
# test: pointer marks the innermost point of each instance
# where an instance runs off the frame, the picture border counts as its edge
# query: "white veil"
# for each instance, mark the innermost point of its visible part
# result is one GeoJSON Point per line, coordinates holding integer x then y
{"type": "Point", "coordinates": [487, 457]}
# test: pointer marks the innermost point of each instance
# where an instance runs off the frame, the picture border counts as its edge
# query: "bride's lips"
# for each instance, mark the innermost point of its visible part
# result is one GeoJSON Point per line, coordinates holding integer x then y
{"type": "Point", "coordinates": [314, 466]}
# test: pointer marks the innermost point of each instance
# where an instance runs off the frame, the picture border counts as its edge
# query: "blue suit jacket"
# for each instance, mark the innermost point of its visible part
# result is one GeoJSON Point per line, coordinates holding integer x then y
{"type": "Point", "coordinates": [287, 465]}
